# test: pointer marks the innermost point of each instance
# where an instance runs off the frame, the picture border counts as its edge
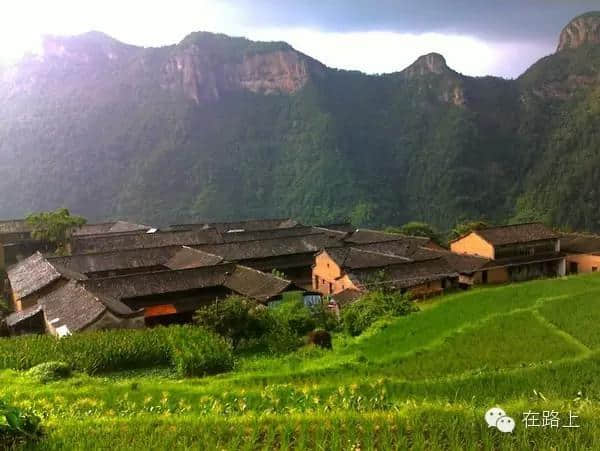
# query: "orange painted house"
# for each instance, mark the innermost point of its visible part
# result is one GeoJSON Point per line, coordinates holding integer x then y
{"type": "Point", "coordinates": [514, 253]}
{"type": "Point", "coordinates": [351, 268]}
{"type": "Point", "coordinates": [583, 252]}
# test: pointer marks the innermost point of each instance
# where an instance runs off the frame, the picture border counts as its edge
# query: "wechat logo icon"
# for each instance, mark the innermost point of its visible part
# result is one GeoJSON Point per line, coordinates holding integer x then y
{"type": "Point", "coordinates": [497, 418]}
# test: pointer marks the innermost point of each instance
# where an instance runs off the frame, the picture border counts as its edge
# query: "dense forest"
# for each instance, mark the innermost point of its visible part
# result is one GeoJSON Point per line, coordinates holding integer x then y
{"type": "Point", "coordinates": [221, 128]}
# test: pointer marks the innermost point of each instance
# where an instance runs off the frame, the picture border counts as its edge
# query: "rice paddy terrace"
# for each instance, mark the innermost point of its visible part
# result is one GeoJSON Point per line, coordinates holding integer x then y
{"type": "Point", "coordinates": [424, 381]}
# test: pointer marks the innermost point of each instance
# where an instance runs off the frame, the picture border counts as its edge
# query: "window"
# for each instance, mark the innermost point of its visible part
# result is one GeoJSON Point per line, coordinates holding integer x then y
{"type": "Point", "coordinates": [330, 287]}
{"type": "Point", "coordinates": [316, 282]}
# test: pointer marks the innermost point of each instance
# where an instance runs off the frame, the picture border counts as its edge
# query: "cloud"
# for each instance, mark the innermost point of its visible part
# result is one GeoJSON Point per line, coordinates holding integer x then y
{"type": "Point", "coordinates": [386, 51]}
{"type": "Point", "coordinates": [485, 19]}
{"type": "Point", "coordinates": [477, 37]}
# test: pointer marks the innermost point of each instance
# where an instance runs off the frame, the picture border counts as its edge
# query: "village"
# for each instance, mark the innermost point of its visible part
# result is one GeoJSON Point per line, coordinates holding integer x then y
{"type": "Point", "coordinates": [126, 275]}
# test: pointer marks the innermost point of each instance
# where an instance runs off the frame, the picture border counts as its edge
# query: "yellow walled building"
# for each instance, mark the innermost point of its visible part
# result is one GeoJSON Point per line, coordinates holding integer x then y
{"type": "Point", "coordinates": [582, 252]}
{"type": "Point", "coordinates": [514, 253]}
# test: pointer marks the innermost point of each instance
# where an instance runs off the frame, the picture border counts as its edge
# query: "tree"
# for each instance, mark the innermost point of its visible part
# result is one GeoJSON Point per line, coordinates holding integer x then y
{"type": "Point", "coordinates": [54, 227]}
{"type": "Point", "coordinates": [466, 227]}
{"type": "Point", "coordinates": [416, 228]}
{"type": "Point", "coordinates": [362, 214]}
{"type": "Point", "coordinates": [236, 318]}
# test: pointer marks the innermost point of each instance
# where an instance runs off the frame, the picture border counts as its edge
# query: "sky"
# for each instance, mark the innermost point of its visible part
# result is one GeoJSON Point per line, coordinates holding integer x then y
{"type": "Point", "coordinates": [477, 37]}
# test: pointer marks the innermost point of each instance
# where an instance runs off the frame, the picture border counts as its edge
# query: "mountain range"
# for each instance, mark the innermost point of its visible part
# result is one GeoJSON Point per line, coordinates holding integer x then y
{"type": "Point", "coordinates": [218, 128]}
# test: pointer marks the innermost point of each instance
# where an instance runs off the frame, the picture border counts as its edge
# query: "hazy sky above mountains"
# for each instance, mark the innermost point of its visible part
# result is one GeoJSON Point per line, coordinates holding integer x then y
{"type": "Point", "coordinates": [477, 37]}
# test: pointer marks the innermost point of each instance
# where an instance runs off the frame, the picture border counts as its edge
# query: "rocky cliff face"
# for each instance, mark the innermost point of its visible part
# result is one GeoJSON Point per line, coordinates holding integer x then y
{"type": "Point", "coordinates": [433, 63]}
{"type": "Point", "coordinates": [203, 79]}
{"type": "Point", "coordinates": [449, 84]}
{"type": "Point", "coordinates": [582, 30]}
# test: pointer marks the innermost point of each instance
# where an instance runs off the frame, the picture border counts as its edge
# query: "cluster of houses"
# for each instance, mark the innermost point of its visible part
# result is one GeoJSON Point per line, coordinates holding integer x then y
{"type": "Point", "coordinates": [124, 275]}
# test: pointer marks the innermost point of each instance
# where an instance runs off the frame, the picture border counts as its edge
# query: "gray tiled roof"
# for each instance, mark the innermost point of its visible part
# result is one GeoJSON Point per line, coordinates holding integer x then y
{"type": "Point", "coordinates": [518, 233]}
{"type": "Point", "coordinates": [116, 260]}
{"type": "Point", "coordinates": [76, 307]}
{"type": "Point", "coordinates": [116, 242]}
{"type": "Point", "coordinates": [187, 258]}
{"type": "Point", "coordinates": [579, 243]}
{"type": "Point", "coordinates": [31, 274]}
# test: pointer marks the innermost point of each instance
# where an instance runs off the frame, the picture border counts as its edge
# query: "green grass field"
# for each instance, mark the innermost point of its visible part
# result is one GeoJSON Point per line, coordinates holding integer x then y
{"type": "Point", "coordinates": [423, 381]}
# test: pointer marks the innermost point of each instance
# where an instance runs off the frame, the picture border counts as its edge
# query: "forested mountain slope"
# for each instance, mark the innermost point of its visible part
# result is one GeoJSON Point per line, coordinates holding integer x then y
{"type": "Point", "coordinates": [220, 128]}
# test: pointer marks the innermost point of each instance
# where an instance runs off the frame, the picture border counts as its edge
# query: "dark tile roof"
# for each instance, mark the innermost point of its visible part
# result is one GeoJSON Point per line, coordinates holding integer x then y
{"type": "Point", "coordinates": [245, 281]}
{"type": "Point", "coordinates": [14, 318]}
{"type": "Point", "coordinates": [247, 250]}
{"type": "Point", "coordinates": [345, 227]}
{"type": "Point", "coordinates": [579, 243]}
{"type": "Point", "coordinates": [76, 307]}
{"type": "Point", "coordinates": [404, 275]}
{"type": "Point", "coordinates": [187, 258]}
{"type": "Point", "coordinates": [116, 242]}
{"type": "Point", "coordinates": [247, 225]}
{"type": "Point", "coordinates": [364, 236]}
{"type": "Point", "coordinates": [256, 235]}
{"type": "Point", "coordinates": [350, 258]}
{"type": "Point", "coordinates": [124, 226]}
{"type": "Point", "coordinates": [401, 247]}
{"type": "Point", "coordinates": [461, 263]}
{"type": "Point", "coordinates": [256, 284]}
{"type": "Point", "coordinates": [109, 227]}
{"type": "Point", "coordinates": [524, 260]}
{"type": "Point", "coordinates": [515, 234]}
{"type": "Point", "coordinates": [346, 297]}
{"type": "Point", "coordinates": [31, 274]}
{"type": "Point", "coordinates": [154, 283]}
{"type": "Point", "coordinates": [116, 260]}
{"type": "Point", "coordinates": [14, 226]}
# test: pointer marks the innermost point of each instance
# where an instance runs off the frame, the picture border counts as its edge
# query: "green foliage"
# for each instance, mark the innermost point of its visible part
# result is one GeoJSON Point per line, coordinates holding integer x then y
{"type": "Point", "coordinates": [278, 273]}
{"type": "Point", "coordinates": [362, 214]}
{"type": "Point", "coordinates": [416, 228]}
{"type": "Point", "coordinates": [18, 427]}
{"type": "Point", "coordinates": [118, 350]}
{"type": "Point", "coordinates": [235, 318]}
{"type": "Point", "coordinates": [279, 329]}
{"type": "Point", "coordinates": [466, 227]}
{"type": "Point", "coordinates": [49, 371]}
{"type": "Point", "coordinates": [374, 305]}
{"type": "Point", "coordinates": [295, 315]}
{"type": "Point", "coordinates": [196, 351]}
{"type": "Point", "coordinates": [54, 227]}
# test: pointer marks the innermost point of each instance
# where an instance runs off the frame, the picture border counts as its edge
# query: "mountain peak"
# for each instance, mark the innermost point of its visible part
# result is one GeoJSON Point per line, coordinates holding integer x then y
{"type": "Point", "coordinates": [584, 29]}
{"type": "Point", "coordinates": [432, 63]}
{"type": "Point", "coordinates": [84, 47]}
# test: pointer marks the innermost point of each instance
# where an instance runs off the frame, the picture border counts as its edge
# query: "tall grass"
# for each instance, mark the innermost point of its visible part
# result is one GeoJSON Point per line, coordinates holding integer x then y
{"type": "Point", "coordinates": [189, 349]}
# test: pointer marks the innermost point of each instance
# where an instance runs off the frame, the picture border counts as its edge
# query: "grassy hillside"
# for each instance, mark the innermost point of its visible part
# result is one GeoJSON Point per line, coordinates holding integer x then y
{"type": "Point", "coordinates": [424, 381]}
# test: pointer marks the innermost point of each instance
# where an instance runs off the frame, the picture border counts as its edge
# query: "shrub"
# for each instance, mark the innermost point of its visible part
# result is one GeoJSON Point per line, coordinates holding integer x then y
{"type": "Point", "coordinates": [18, 427]}
{"type": "Point", "coordinates": [281, 339]}
{"type": "Point", "coordinates": [320, 338]}
{"type": "Point", "coordinates": [324, 317]}
{"type": "Point", "coordinates": [358, 316]}
{"type": "Point", "coordinates": [196, 351]}
{"type": "Point", "coordinates": [50, 371]}
{"type": "Point", "coordinates": [298, 318]}
{"type": "Point", "coordinates": [235, 318]}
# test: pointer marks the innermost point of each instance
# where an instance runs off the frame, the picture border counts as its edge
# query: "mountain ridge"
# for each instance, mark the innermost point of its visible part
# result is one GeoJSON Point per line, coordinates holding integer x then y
{"type": "Point", "coordinates": [218, 128]}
